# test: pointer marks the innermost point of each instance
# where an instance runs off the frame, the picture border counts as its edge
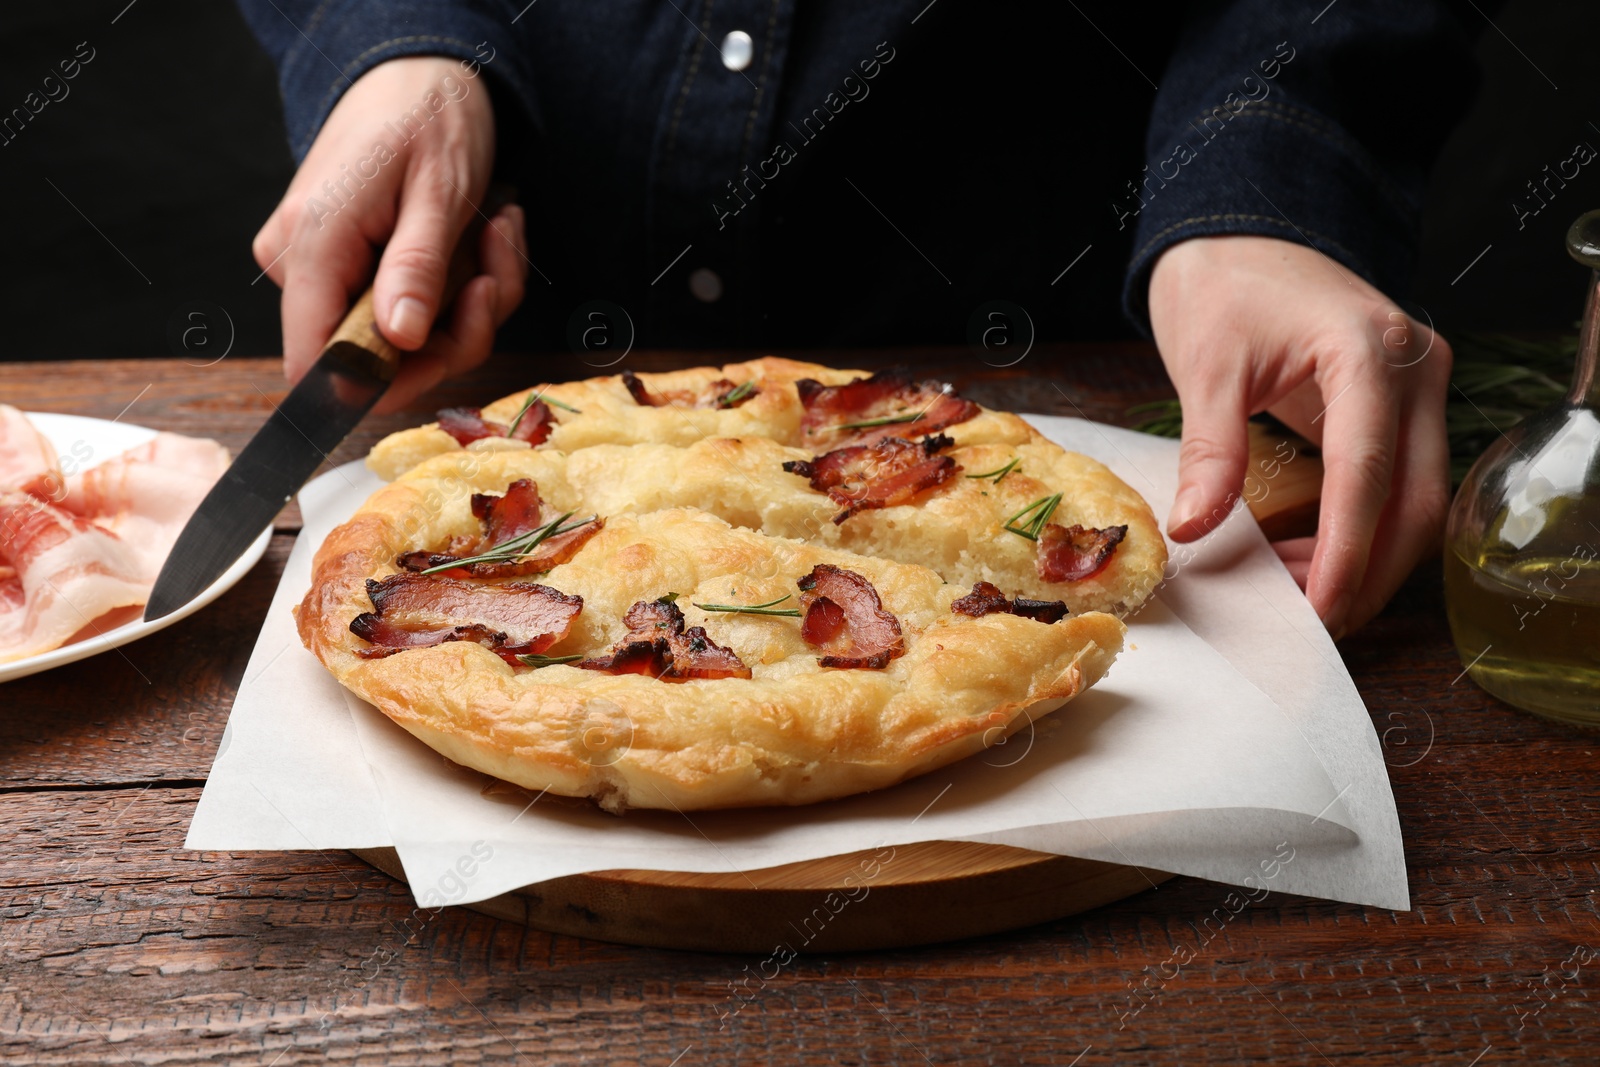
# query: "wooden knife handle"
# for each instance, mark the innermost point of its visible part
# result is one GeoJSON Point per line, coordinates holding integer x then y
{"type": "Point", "coordinates": [361, 346]}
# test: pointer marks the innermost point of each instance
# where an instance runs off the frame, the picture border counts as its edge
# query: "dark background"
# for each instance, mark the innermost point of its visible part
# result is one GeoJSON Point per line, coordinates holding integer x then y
{"type": "Point", "coordinates": [131, 203]}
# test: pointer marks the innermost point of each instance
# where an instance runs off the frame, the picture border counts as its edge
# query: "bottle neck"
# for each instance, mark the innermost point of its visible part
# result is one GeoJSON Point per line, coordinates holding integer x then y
{"type": "Point", "coordinates": [1586, 375]}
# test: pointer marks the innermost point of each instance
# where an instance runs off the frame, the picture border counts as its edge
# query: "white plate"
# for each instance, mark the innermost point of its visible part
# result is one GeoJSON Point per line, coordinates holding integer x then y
{"type": "Point", "coordinates": [83, 443]}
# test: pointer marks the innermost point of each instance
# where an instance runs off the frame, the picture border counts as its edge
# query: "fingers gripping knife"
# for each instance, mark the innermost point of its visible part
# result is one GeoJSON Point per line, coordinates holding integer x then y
{"type": "Point", "coordinates": [342, 386]}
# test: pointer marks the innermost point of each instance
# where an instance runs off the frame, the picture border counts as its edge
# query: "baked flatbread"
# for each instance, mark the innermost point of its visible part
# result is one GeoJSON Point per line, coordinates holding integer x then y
{"type": "Point", "coordinates": [608, 413]}
{"type": "Point", "coordinates": [599, 658]}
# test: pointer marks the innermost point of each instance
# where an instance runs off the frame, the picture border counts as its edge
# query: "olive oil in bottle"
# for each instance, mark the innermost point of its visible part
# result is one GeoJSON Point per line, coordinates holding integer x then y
{"type": "Point", "coordinates": [1529, 628]}
{"type": "Point", "coordinates": [1522, 549]}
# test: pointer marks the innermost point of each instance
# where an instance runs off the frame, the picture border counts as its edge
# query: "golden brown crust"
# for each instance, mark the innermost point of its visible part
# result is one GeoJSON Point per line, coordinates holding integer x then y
{"type": "Point", "coordinates": [696, 502]}
{"type": "Point", "coordinates": [792, 734]}
{"type": "Point", "coordinates": [608, 414]}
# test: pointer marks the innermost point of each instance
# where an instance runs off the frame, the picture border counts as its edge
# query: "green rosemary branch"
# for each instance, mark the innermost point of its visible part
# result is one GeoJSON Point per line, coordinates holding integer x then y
{"type": "Point", "coordinates": [533, 398]}
{"type": "Point", "coordinates": [1038, 514]}
{"type": "Point", "coordinates": [516, 547]}
{"type": "Point", "coordinates": [887, 420]}
{"type": "Point", "coordinates": [1000, 472]}
{"type": "Point", "coordinates": [741, 393]}
{"type": "Point", "coordinates": [755, 609]}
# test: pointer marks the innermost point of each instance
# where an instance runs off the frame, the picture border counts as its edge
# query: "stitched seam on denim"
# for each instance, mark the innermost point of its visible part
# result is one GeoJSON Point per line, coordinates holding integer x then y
{"type": "Point", "coordinates": [761, 81]}
{"type": "Point", "coordinates": [1353, 149]}
{"type": "Point", "coordinates": [1271, 219]}
{"type": "Point", "coordinates": [316, 18]}
{"type": "Point", "coordinates": [688, 83]}
{"type": "Point", "coordinates": [1311, 117]}
{"type": "Point", "coordinates": [1312, 120]}
{"type": "Point", "coordinates": [392, 42]}
{"type": "Point", "coordinates": [1318, 126]}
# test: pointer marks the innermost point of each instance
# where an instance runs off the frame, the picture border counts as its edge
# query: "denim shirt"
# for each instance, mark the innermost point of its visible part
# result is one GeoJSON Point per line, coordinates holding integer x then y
{"type": "Point", "coordinates": [869, 172]}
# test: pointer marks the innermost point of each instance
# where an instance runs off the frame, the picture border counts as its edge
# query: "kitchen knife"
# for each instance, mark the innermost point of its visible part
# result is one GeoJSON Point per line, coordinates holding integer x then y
{"type": "Point", "coordinates": [341, 387]}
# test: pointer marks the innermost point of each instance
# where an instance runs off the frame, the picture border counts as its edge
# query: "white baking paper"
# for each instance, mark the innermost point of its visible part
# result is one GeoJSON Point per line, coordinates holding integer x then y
{"type": "Point", "coordinates": [1227, 736]}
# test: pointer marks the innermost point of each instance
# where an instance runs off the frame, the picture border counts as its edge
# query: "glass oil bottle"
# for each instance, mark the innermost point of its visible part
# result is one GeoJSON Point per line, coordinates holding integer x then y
{"type": "Point", "coordinates": [1522, 548]}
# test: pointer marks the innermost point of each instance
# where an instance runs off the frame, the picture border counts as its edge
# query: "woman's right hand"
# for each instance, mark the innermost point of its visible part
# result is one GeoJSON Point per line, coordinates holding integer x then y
{"type": "Point", "coordinates": [399, 165]}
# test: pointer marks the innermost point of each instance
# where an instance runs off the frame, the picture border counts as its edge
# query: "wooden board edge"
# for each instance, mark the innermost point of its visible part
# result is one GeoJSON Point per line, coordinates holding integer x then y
{"type": "Point", "coordinates": [993, 895]}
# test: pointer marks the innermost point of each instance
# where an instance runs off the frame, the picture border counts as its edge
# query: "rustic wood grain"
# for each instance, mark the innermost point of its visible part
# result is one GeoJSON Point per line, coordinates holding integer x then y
{"type": "Point", "coordinates": [150, 711]}
{"type": "Point", "coordinates": [117, 945]}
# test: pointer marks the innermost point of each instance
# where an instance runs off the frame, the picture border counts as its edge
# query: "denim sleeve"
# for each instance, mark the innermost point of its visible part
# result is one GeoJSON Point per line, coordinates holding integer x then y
{"type": "Point", "coordinates": [320, 47]}
{"type": "Point", "coordinates": [1273, 120]}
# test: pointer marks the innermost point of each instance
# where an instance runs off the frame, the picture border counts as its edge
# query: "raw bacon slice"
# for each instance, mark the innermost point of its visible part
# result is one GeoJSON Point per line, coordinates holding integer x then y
{"type": "Point", "coordinates": [721, 393]}
{"type": "Point", "coordinates": [887, 473]}
{"type": "Point", "coordinates": [417, 610]}
{"type": "Point", "coordinates": [27, 458]}
{"type": "Point", "coordinates": [922, 408]}
{"type": "Point", "coordinates": [13, 597]}
{"type": "Point", "coordinates": [845, 619]}
{"type": "Point", "coordinates": [146, 494]}
{"type": "Point", "coordinates": [78, 546]}
{"type": "Point", "coordinates": [987, 599]}
{"type": "Point", "coordinates": [519, 512]}
{"type": "Point", "coordinates": [467, 425]}
{"type": "Point", "coordinates": [1073, 553]}
{"type": "Point", "coordinates": [64, 573]}
{"type": "Point", "coordinates": [657, 644]}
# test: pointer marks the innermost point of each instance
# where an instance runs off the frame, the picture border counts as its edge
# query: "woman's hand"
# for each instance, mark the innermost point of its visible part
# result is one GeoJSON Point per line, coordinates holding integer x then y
{"type": "Point", "coordinates": [1250, 324]}
{"type": "Point", "coordinates": [398, 166]}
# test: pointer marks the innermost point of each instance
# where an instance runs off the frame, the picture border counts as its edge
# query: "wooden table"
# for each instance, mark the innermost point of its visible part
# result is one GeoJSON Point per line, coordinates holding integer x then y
{"type": "Point", "coordinates": [117, 945]}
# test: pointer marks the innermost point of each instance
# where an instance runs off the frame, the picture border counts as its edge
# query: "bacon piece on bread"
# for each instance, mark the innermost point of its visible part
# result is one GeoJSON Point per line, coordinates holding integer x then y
{"type": "Point", "coordinates": [884, 474]}
{"type": "Point", "coordinates": [657, 644]}
{"type": "Point", "coordinates": [467, 425]}
{"type": "Point", "coordinates": [834, 414]}
{"type": "Point", "coordinates": [419, 610]}
{"type": "Point", "coordinates": [844, 618]}
{"type": "Point", "coordinates": [641, 392]}
{"type": "Point", "coordinates": [987, 599]}
{"type": "Point", "coordinates": [518, 513]}
{"type": "Point", "coordinates": [1073, 553]}
{"type": "Point", "coordinates": [721, 393]}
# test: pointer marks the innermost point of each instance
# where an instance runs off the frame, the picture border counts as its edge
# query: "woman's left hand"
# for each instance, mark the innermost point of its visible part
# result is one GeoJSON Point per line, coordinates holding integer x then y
{"type": "Point", "coordinates": [1248, 324]}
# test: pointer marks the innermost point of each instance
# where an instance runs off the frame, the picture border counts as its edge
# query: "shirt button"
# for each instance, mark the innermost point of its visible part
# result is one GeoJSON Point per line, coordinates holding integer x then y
{"type": "Point", "coordinates": [737, 48]}
{"type": "Point", "coordinates": [705, 286]}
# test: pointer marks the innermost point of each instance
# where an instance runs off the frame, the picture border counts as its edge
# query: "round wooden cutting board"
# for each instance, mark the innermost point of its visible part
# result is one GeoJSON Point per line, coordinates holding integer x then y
{"type": "Point", "coordinates": [885, 898]}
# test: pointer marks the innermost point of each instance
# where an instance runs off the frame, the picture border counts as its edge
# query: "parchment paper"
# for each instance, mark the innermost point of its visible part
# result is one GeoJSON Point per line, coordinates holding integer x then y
{"type": "Point", "coordinates": [1226, 731]}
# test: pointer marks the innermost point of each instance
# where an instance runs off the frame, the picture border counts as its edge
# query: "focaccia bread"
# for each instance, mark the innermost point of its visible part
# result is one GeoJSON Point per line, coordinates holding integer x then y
{"type": "Point", "coordinates": [766, 608]}
{"type": "Point", "coordinates": [607, 411]}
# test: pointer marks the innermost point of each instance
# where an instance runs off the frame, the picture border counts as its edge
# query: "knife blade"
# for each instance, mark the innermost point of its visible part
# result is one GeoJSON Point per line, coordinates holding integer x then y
{"type": "Point", "coordinates": [320, 411]}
